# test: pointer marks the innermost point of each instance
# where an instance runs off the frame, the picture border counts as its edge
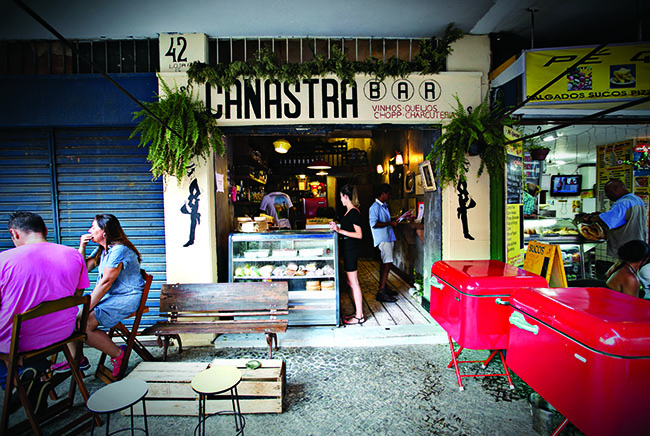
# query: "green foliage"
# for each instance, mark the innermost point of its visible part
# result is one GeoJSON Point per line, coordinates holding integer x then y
{"type": "Point", "coordinates": [449, 153]}
{"type": "Point", "coordinates": [265, 65]}
{"type": "Point", "coordinates": [534, 144]}
{"type": "Point", "coordinates": [195, 132]}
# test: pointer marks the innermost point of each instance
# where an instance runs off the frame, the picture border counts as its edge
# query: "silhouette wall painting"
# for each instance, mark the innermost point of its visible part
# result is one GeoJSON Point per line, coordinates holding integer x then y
{"type": "Point", "coordinates": [191, 208]}
{"type": "Point", "coordinates": [465, 202]}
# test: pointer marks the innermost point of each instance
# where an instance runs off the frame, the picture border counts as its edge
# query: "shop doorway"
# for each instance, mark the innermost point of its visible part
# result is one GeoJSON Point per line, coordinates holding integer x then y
{"type": "Point", "coordinates": [364, 156]}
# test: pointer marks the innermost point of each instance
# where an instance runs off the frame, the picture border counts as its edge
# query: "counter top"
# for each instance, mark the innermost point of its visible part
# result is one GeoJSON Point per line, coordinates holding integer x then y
{"type": "Point", "coordinates": [567, 239]}
{"type": "Point", "coordinates": [418, 228]}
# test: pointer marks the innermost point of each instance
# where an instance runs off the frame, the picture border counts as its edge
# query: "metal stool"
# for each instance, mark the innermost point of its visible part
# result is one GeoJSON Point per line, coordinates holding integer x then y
{"type": "Point", "coordinates": [118, 396]}
{"type": "Point", "coordinates": [214, 381]}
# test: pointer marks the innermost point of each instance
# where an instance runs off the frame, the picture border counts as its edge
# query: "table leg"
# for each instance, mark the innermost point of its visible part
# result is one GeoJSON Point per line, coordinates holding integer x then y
{"type": "Point", "coordinates": [560, 427]}
{"type": "Point", "coordinates": [202, 400]}
{"type": "Point", "coordinates": [239, 419]}
{"type": "Point", "coordinates": [507, 371]}
{"type": "Point", "coordinates": [455, 363]}
{"type": "Point", "coordinates": [144, 412]}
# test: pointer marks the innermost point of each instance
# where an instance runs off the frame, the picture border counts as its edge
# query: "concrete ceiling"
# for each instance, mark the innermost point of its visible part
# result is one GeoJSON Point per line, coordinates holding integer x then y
{"type": "Point", "coordinates": [557, 22]}
{"type": "Point", "coordinates": [577, 144]}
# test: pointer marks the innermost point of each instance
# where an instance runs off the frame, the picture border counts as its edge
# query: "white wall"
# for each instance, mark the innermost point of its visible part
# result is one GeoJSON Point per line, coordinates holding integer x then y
{"type": "Point", "coordinates": [196, 263]}
{"type": "Point", "coordinates": [471, 53]}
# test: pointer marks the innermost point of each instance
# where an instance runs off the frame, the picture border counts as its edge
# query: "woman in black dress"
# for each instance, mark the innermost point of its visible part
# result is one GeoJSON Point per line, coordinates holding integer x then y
{"type": "Point", "coordinates": [351, 235]}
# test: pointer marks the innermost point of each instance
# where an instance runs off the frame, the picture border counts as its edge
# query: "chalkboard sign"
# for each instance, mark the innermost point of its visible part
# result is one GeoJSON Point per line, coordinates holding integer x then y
{"type": "Point", "coordinates": [514, 179]}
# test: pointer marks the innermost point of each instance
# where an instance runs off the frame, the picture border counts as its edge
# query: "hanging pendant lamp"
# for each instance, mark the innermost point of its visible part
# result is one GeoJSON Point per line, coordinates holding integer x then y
{"type": "Point", "coordinates": [281, 146]}
{"type": "Point", "coordinates": [319, 164]}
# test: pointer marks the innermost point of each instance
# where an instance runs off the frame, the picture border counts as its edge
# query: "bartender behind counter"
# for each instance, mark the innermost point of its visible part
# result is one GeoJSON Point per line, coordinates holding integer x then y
{"type": "Point", "coordinates": [624, 221]}
{"type": "Point", "coordinates": [278, 205]}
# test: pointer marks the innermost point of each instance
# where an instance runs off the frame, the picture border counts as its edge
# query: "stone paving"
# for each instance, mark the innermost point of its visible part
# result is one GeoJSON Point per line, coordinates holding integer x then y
{"type": "Point", "coordinates": [396, 390]}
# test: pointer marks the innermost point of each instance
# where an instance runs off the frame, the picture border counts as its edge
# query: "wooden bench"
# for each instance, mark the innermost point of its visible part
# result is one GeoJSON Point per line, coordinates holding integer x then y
{"type": "Point", "coordinates": [242, 307]}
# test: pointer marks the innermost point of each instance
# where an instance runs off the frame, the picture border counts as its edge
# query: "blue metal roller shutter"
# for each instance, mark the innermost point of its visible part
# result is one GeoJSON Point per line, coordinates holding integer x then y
{"type": "Point", "coordinates": [25, 179]}
{"type": "Point", "coordinates": [103, 171]}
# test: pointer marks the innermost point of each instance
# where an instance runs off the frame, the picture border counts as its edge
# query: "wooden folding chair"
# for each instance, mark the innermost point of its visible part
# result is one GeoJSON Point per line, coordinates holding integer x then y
{"type": "Point", "coordinates": [105, 373]}
{"type": "Point", "coordinates": [15, 360]}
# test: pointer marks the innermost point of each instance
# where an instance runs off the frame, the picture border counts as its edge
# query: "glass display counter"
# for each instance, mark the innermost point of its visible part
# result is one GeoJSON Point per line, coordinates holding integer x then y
{"type": "Point", "coordinates": [576, 250]}
{"type": "Point", "coordinates": [307, 260]}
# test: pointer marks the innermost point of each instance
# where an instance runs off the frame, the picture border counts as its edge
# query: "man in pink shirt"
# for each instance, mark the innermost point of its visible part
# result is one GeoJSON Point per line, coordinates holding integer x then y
{"type": "Point", "coordinates": [33, 272]}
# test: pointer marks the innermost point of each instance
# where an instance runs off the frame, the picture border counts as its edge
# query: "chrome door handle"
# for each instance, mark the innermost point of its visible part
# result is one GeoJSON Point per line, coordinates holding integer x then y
{"type": "Point", "coordinates": [518, 320]}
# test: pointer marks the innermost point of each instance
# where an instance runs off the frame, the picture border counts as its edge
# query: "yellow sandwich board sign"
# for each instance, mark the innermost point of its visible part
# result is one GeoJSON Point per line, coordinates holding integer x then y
{"type": "Point", "coordinates": [546, 260]}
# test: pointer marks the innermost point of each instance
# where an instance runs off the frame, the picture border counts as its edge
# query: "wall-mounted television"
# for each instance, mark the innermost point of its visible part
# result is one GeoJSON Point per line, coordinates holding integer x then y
{"type": "Point", "coordinates": [566, 185]}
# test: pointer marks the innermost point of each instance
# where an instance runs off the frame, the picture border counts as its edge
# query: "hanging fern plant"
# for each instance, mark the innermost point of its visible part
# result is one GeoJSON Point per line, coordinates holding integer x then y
{"type": "Point", "coordinates": [192, 132]}
{"type": "Point", "coordinates": [431, 60]}
{"type": "Point", "coordinates": [471, 132]}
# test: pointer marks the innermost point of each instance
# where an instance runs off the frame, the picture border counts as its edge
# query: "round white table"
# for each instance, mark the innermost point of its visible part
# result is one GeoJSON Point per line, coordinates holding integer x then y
{"type": "Point", "coordinates": [214, 381]}
{"type": "Point", "coordinates": [118, 396]}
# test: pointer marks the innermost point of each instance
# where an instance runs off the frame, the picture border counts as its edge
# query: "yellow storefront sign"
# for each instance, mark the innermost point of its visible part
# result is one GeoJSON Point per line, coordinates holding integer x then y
{"type": "Point", "coordinates": [546, 261]}
{"type": "Point", "coordinates": [615, 72]}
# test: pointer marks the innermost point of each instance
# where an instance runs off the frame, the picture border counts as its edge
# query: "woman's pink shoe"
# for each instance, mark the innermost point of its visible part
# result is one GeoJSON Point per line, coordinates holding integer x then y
{"type": "Point", "coordinates": [117, 361]}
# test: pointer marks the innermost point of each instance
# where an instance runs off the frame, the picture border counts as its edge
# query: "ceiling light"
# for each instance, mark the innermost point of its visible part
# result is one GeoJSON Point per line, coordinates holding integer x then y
{"type": "Point", "coordinates": [319, 164]}
{"type": "Point", "coordinates": [321, 173]}
{"type": "Point", "coordinates": [282, 146]}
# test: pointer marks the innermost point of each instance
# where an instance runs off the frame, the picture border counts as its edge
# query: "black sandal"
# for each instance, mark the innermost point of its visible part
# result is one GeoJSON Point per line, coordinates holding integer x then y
{"type": "Point", "coordinates": [359, 321]}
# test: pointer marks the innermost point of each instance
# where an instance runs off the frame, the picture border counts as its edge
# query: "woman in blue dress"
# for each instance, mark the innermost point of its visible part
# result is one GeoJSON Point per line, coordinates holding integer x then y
{"type": "Point", "coordinates": [118, 289]}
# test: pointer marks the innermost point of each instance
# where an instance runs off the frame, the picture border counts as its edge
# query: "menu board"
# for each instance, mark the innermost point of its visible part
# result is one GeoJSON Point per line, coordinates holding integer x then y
{"type": "Point", "coordinates": [514, 235]}
{"type": "Point", "coordinates": [514, 180]}
{"type": "Point", "coordinates": [641, 185]}
{"type": "Point", "coordinates": [612, 163]}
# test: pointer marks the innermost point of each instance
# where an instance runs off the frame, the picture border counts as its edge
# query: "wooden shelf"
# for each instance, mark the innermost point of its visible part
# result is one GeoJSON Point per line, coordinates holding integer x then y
{"type": "Point", "coordinates": [255, 179]}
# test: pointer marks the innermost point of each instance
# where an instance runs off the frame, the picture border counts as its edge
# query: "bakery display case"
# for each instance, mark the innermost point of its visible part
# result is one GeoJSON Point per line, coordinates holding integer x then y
{"type": "Point", "coordinates": [307, 260]}
{"type": "Point", "coordinates": [577, 252]}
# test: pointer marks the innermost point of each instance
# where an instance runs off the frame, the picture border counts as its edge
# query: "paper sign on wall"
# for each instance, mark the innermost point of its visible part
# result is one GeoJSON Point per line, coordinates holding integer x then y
{"type": "Point", "coordinates": [546, 260]}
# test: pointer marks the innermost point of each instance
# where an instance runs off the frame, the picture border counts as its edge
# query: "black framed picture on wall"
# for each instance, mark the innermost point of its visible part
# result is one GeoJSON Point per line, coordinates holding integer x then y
{"type": "Point", "coordinates": [426, 171]}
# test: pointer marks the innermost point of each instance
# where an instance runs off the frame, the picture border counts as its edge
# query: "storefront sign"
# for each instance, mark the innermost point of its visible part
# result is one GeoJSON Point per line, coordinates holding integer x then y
{"type": "Point", "coordinates": [616, 72]}
{"type": "Point", "coordinates": [413, 100]}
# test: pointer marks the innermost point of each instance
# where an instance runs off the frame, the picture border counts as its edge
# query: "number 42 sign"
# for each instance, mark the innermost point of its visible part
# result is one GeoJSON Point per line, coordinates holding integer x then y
{"type": "Point", "coordinates": [178, 51]}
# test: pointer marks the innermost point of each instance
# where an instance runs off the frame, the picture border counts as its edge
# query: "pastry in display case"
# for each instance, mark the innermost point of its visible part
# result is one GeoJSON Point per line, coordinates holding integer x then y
{"type": "Point", "coordinates": [550, 227]}
{"type": "Point", "coordinates": [307, 260]}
